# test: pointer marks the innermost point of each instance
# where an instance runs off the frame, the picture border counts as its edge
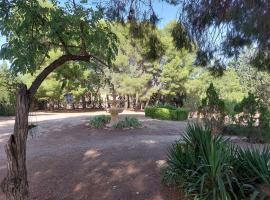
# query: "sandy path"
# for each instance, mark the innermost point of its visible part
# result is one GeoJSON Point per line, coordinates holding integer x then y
{"type": "Point", "coordinates": [69, 161]}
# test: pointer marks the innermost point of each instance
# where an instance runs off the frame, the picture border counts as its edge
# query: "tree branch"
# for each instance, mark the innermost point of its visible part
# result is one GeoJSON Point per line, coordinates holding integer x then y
{"type": "Point", "coordinates": [57, 63]}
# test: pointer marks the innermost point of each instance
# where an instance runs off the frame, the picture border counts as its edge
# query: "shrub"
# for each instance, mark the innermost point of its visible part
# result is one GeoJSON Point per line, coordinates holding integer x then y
{"type": "Point", "coordinates": [127, 122]}
{"type": "Point", "coordinates": [258, 135]}
{"type": "Point", "coordinates": [166, 114]}
{"type": "Point", "coordinates": [180, 114]}
{"type": "Point", "coordinates": [168, 106]}
{"type": "Point", "coordinates": [202, 165]}
{"type": "Point", "coordinates": [253, 170]}
{"type": "Point", "coordinates": [99, 121]}
{"type": "Point", "coordinates": [210, 167]}
{"type": "Point", "coordinates": [7, 109]}
{"type": "Point", "coordinates": [264, 119]}
{"type": "Point", "coordinates": [248, 108]}
{"type": "Point", "coordinates": [213, 110]}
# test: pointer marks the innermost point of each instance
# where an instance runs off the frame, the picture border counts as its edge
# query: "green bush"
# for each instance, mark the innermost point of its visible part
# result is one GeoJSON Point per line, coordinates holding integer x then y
{"type": "Point", "coordinates": [257, 129]}
{"type": "Point", "coordinates": [252, 168]}
{"type": "Point", "coordinates": [212, 109]}
{"type": "Point", "coordinates": [178, 114]}
{"type": "Point", "coordinates": [99, 121]}
{"type": "Point", "coordinates": [7, 110]}
{"type": "Point", "coordinates": [168, 106]}
{"type": "Point", "coordinates": [248, 108]}
{"type": "Point", "coordinates": [202, 165]}
{"type": "Point", "coordinates": [210, 167]}
{"type": "Point", "coordinates": [127, 122]}
{"type": "Point", "coordinates": [253, 134]}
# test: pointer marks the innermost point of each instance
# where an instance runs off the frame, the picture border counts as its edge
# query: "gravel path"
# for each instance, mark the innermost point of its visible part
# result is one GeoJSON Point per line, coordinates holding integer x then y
{"type": "Point", "coordinates": [69, 161]}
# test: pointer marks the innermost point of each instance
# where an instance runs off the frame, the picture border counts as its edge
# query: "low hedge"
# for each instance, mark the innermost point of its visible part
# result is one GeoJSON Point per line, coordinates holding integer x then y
{"type": "Point", "coordinates": [178, 114]}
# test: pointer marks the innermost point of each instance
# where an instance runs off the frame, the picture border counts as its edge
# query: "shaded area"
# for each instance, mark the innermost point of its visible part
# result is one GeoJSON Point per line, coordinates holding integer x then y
{"type": "Point", "coordinates": [80, 163]}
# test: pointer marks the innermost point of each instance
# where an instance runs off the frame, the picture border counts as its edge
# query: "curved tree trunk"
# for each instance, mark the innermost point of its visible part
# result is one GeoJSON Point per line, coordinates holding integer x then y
{"type": "Point", "coordinates": [15, 184]}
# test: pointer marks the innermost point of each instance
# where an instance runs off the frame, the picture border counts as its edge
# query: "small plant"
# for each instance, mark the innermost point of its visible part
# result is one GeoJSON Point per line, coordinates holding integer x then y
{"type": "Point", "coordinates": [99, 121]}
{"type": "Point", "coordinates": [127, 122]}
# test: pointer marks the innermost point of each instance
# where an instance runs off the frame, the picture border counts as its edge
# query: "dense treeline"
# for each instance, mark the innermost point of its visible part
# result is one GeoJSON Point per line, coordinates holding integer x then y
{"type": "Point", "coordinates": [141, 76]}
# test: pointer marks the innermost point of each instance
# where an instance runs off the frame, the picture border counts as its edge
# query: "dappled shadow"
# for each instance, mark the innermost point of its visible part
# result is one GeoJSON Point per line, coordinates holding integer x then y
{"type": "Point", "coordinates": [85, 164]}
{"type": "Point", "coordinates": [80, 163]}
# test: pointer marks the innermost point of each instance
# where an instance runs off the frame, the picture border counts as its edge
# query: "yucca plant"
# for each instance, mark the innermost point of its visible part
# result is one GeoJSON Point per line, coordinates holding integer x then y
{"type": "Point", "coordinates": [202, 165]}
{"type": "Point", "coordinates": [253, 169]}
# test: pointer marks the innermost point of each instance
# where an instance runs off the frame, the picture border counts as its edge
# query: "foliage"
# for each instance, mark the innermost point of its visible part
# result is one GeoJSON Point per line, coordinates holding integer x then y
{"type": "Point", "coordinates": [254, 114]}
{"type": "Point", "coordinates": [264, 118]}
{"type": "Point", "coordinates": [248, 107]}
{"type": "Point", "coordinates": [202, 165]}
{"type": "Point", "coordinates": [253, 80]}
{"type": "Point", "coordinates": [31, 38]}
{"type": "Point", "coordinates": [253, 165]}
{"type": "Point", "coordinates": [253, 170]}
{"type": "Point", "coordinates": [209, 21]}
{"type": "Point", "coordinates": [253, 134]}
{"type": "Point", "coordinates": [99, 121]}
{"type": "Point", "coordinates": [213, 109]}
{"type": "Point", "coordinates": [229, 86]}
{"type": "Point", "coordinates": [252, 119]}
{"type": "Point", "coordinates": [7, 109]}
{"type": "Point", "coordinates": [168, 106]}
{"type": "Point", "coordinates": [178, 114]}
{"type": "Point", "coordinates": [127, 122]}
{"type": "Point", "coordinates": [7, 90]}
{"type": "Point", "coordinates": [210, 167]}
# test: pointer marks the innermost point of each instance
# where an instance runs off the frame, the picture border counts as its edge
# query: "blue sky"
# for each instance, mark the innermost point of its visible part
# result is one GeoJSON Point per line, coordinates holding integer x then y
{"type": "Point", "coordinates": [165, 12]}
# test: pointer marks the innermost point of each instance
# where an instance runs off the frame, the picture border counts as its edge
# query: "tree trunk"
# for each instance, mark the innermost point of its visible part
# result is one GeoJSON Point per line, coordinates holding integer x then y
{"type": "Point", "coordinates": [128, 100]}
{"type": "Point", "coordinates": [136, 101]}
{"type": "Point", "coordinates": [83, 102]}
{"type": "Point", "coordinates": [15, 184]}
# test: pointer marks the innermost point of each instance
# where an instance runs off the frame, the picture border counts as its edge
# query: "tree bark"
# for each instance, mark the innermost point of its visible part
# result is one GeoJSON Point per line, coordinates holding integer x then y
{"type": "Point", "coordinates": [128, 100]}
{"type": "Point", "coordinates": [15, 184]}
{"type": "Point", "coordinates": [83, 102]}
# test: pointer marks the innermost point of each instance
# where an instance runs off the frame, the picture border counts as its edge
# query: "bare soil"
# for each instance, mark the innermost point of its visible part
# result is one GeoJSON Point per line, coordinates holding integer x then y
{"type": "Point", "coordinates": [67, 160]}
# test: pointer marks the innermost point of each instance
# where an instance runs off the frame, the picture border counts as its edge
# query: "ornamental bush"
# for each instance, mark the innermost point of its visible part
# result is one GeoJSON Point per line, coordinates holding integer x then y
{"type": "Point", "coordinates": [99, 121]}
{"type": "Point", "coordinates": [127, 122]}
{"type": "Point", "coordinates": [178, 114]}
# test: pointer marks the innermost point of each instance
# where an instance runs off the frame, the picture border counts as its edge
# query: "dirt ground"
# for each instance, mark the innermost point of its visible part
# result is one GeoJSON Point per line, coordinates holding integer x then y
{"type": "Point", "coordinates": [67, 160]}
